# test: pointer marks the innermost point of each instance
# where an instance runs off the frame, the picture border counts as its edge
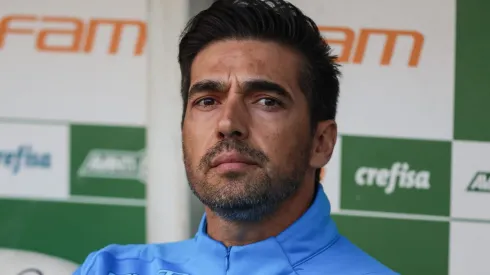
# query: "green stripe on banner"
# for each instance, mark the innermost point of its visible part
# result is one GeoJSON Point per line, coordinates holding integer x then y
{"type": "Point", "coordinates": [406, 246]}
{"type": "Point", "coordinates": [472, 98]}
{"type": "Point", "coordinates": [68, 230]}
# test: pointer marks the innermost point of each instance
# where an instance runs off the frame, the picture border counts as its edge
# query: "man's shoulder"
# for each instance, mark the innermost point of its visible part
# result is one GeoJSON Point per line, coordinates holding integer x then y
{"type": "Point", "coordinates": [113, 254]}
{"type": "Point", "coordinates": [344, 257]}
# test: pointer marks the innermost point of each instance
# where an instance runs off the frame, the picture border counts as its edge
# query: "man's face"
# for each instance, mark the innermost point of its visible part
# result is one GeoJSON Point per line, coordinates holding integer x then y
{"type": "Point", "coordinates": [246, 132]}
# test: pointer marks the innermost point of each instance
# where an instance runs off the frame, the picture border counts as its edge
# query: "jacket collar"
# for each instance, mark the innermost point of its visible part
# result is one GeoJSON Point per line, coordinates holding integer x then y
{"type": "Point", "coordinates": [313, 231]}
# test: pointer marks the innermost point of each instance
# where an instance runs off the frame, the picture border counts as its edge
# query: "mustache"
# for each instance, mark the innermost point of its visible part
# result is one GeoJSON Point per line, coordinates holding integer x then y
{"type": "Point", "coordinates": [232, 145]}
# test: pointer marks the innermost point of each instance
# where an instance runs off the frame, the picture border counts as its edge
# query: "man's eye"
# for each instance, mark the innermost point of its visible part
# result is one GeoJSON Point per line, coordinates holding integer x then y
{"type": "Point", "coordinates": [269, 102]}
{"type": "Point", "coordinates": [206, 102]}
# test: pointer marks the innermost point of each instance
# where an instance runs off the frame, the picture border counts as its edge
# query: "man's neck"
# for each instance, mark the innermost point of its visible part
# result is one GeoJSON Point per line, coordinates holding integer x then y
{"type": "Point", "coordinates": [238, 233]}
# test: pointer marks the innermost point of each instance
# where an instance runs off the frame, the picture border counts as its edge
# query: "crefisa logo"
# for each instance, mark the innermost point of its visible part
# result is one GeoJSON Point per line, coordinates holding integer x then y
{"type": "Point", "coordinates": [24, 157]}
{"type": "Point", "coordinates": [21, 262]}
{"type": "Point", "coordinates": [398, 176]}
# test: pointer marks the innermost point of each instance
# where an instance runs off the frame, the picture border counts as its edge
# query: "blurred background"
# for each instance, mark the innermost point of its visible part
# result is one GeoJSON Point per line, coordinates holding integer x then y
{"type": "Point", "coordinates": [90, 115]}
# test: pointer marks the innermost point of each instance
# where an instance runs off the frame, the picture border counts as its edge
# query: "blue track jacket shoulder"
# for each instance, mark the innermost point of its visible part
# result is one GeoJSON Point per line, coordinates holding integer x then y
{"type": "Point", "coordinates": [310, 246]}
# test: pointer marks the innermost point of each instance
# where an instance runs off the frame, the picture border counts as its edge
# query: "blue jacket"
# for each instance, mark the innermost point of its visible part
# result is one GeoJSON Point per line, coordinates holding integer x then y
{"type": "Point", "coordinates": [310, 246]}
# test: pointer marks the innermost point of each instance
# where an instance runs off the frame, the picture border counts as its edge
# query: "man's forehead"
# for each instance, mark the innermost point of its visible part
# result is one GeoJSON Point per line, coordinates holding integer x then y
{"type": "Point", "coordinates": [243, 60]}
{"type": "Point", "coordinates": [243, 48]}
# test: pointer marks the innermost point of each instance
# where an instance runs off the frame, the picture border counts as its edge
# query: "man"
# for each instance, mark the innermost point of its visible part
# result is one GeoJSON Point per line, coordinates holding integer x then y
{"type": "Point", "coordinates": [260, 89]}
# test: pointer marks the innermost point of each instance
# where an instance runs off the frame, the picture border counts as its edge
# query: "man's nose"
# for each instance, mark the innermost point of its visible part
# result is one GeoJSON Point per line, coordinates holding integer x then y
{"type": "Point", "coordinates": [233, 122]}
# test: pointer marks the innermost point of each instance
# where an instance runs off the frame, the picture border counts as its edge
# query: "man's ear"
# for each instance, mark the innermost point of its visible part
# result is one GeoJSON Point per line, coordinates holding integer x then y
{"type": "Point", "coordinates": [324, 142]}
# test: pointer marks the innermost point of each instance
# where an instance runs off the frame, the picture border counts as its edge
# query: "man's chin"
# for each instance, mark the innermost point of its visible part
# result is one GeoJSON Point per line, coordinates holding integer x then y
{"type": "Point", "coordinates": [242, 212]}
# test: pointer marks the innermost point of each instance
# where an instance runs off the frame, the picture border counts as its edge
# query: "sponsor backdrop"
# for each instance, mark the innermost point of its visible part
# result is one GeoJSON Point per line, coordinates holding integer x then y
{"type": "Point", "coordinates": [409, 181]}
{"type": "Point", "coordinates": [72, 131]}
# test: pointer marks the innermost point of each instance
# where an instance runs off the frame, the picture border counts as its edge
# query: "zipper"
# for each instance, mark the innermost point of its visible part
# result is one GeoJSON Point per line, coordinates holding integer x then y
{"type": "Point", "coordinates": [227, 259]}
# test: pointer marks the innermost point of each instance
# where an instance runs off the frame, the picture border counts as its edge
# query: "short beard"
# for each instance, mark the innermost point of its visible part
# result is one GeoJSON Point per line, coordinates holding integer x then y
{"type": "Point", "coordinates": [259, 202]}
{"type": "Point", "coordinates": [262, 195]}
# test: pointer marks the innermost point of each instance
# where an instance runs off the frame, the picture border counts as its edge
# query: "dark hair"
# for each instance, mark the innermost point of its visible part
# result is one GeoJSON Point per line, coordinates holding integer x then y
{"type": "Point", "coordinates": [267, 20]}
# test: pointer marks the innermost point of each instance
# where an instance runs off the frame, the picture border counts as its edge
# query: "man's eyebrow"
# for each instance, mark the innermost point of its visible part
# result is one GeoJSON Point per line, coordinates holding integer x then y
{"type": "Point", "coordinates": [247, 86]}
{"type": "Point", "coordinates": [266, 86]}
{"type": "Point", "coordinates": [207, 86]}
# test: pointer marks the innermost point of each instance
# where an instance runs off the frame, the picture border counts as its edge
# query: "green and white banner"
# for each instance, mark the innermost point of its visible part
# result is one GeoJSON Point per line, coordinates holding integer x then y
{"type": "Point", "coordinates": [72, 131]}
{"type": "Point", "coordinates": [409, 181]}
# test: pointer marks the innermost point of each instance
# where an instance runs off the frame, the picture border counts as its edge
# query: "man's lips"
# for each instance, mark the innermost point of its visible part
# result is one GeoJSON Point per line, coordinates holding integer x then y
{"type": "Point", "coordinates": [231, 158]}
